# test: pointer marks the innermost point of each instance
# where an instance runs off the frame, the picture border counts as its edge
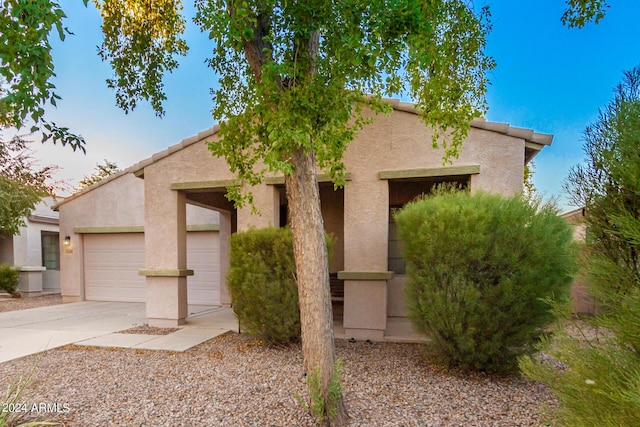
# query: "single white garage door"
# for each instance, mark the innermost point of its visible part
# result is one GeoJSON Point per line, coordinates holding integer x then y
{"type": "Point", "coordinates": [112, 262]}
{"type": "Point", "coordinates": [111, 265]}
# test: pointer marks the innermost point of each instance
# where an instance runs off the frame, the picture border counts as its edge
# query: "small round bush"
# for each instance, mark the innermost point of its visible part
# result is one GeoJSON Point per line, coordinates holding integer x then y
{"type": "Point", "coordinates": [479, 270]}
{"type": "Point", "coordinates": [262, 283]}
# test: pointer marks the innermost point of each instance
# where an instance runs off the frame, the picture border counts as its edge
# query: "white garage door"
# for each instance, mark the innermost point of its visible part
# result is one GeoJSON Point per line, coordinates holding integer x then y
{"type": "Point", "coordinates": [111, 265]}
{"type": "Point", "coordinates": [112, 262]}
{"type": "Point", "coordinates": [203, 257]}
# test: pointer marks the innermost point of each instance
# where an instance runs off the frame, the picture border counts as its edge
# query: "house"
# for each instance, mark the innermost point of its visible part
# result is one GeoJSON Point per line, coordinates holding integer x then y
{"type": "Point", "coordinates": [158, 231]}
{"type": "Point", "coordinates": [36, 250]}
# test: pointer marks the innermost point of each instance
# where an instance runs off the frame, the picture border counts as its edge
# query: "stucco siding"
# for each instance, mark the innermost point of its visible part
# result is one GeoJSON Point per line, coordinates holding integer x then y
{"type": "Point", "coordinates": [194, 163]}
{"type": "Point", "coordinates": [401, 141]}
{"type": "Point", "coordinates": [25, 250]}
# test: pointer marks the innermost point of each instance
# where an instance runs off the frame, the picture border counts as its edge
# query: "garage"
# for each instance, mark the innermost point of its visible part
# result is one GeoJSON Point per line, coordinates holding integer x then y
{"type": "Point", "coordinates": [112, 262]}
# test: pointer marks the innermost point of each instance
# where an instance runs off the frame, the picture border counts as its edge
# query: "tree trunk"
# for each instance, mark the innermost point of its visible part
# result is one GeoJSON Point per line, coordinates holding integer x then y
{"type": "Point", "coordinates": [310, 252]}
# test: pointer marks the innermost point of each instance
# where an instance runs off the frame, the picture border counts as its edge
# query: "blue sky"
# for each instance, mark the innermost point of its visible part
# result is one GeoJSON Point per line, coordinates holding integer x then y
{"type": "Point", "coordinates": [548, 78]}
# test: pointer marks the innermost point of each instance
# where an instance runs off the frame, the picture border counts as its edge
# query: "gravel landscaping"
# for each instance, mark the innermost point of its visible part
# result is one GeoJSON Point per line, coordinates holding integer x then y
{"type": "Point", "coordinates": [12, 304]}
{"type": "Point", "coordinates": [149, 330]}
{"type": "Point", "coordinates": [233, 381]}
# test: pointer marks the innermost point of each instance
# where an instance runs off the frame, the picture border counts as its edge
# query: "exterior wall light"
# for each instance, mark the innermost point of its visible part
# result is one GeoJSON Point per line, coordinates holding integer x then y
{"type": "Point", "coordinates": [67, 244]}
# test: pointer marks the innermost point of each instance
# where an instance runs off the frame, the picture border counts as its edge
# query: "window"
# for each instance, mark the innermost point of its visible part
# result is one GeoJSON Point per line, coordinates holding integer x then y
{"type": "Point", "coordinates": [50, 250]}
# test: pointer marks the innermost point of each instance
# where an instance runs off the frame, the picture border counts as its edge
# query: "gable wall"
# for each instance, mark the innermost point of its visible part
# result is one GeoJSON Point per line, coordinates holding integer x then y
{"type": "Point", "coordinates": [401, 141]}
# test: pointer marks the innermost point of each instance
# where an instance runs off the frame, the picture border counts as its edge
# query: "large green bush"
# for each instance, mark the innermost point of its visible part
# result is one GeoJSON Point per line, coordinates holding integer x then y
{"type": "Point", "coordinates": [9, 278]}
{"type": "Point", "coordinates": [480, 267]}
{"type": "Point", "coordinates": [262, 282]}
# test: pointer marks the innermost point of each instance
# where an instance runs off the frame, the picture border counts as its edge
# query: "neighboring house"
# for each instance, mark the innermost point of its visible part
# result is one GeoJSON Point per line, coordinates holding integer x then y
{"type": "Point", "coordinates": [136, 236]}
{"type": "Point", "coordinates": [582, 302]}
{"type": "Point", "coordinates": [36, 250]}
{"type": "Point", "coordinates": [575, 218]}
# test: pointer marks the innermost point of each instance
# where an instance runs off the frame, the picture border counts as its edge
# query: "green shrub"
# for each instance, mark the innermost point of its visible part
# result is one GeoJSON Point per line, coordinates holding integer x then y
{"type": "Point", "coordinates": [9, 278]}
{"type": "Point", "coordinates": [262, 283]}
{"type": "Point", "coordinates": [600, 383]}
{"type": "Point", "coordinates": [479, 270]}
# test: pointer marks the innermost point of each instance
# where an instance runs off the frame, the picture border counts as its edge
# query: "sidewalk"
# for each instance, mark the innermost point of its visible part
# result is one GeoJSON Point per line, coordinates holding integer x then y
{"type": "Point", "coordinates": [94, 323]}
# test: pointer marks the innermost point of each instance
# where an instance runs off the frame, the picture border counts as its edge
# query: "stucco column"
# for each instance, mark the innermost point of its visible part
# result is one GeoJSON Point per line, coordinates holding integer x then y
{"type": "Point", "coordinates": [223, 238]}
{"type": "Point", "coordinates": [166, 256]}
{"type": "Point", "coordinates": [365, 275]}
{"type": "Point", "coordinates": [27, 255]}
{"type": "Point", "coordinates": [71, 260]}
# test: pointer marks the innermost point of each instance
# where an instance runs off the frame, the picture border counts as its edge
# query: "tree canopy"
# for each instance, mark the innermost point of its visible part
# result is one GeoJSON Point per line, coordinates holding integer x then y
{"type": "Point", "coordinates": [26, 68]}
{"type": "Point", "coordinates": [580, 12]}
{"type": "Point", "coordinates": [277, 92]}
{"type": "Point", "coordinates": [608, 184]}
{"type": "Point", "coordinates": [22, 184]}
{"type": "Point", "coordinates": [100, 172]}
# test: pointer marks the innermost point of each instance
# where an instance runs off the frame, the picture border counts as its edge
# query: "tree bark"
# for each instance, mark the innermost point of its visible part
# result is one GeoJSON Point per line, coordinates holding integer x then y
{"type": "Point", "coordinates": [309, 245]}
{"type": "Point", "coordinates": [310, 252]}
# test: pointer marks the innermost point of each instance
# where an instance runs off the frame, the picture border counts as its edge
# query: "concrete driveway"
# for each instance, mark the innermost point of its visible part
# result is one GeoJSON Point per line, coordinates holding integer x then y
{"type": "Point", "coordinates": [96, 323]}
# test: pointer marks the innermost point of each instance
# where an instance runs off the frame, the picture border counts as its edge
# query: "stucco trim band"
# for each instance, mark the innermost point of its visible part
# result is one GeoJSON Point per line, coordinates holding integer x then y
{"type": "Point", "coordinates": [323, 177]}
{"type": "Point", "coordinates": [165, 272]}
{"type": "Point", "coordinates": [109, 230]}
{"type": "Point", "coordinates": [43, 219]}
{"type": "Point", "coordinates": [138, 229]}
{"type": "Point", "coordinates": [203, 227]}
{"type": "Point", "coordinates": [365, 275]}
{"type": "Point", "coordinates": [205, 185]}
{"type": "Point", "coordinates": [27, 268]}
{"type": "Point", "coordinates": [429, 172]}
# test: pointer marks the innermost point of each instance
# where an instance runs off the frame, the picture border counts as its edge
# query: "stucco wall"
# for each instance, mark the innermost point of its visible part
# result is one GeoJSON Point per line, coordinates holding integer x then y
{"type": "Point", "coordinates": [119, 203]}
{"type": "Point", "coordinates": [401, 141]}
{"type": "Point", "coordinates": [28, 244]}
{"type": "Point", "coordinates": [28, 255]}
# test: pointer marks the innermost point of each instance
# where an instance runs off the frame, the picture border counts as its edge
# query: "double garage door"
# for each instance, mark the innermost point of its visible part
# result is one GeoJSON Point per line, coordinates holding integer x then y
{"type": "Point", "coordinates": [112, 262]}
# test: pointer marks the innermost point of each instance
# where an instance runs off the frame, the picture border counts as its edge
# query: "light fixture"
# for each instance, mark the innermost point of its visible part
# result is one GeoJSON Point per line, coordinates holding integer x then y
{"type": "Point", "coordinates": [67, 241]}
